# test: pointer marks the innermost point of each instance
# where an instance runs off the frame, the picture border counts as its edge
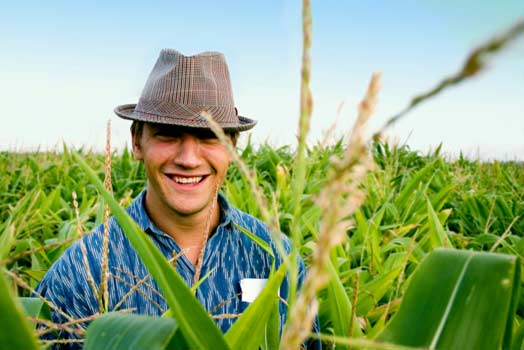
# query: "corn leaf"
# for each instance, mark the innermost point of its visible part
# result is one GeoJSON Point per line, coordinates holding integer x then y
{"type": "Point", "coordinates": [31, 306]}
{"type": "Point", "coordinates": [439, 238]}
{"type": "Point", "coordinates": [196, 325]}
{"type": "Point", "coordinates": [249, 331]}
{"type": "Point", "coordinates": [439, 199]}
{"type": "Point", "coordinates": [257, 240]}
{"type": "Point", "coordinates": [177, 342]}
{"type": "Point", "coordinates": [412, 184]}
{"type": "Point", "coordinates": [339, 308]}
{"type": "Point", "coordinates": [273, 327]}
{"type": "Point", "coordinates": [518, 338]}
{"type": "Point", "coordinates": [16, 332]}
{"type": "Point", "coordinates": [114, 331]}
{"type": "Point", "coordinates": [371, 292]}
{"type": "Point", "coordinates": [7, 239]}
{"type": "Point", "coordinates": [458, 300]}
{"type": "Point", "coordinates": [35, 307]}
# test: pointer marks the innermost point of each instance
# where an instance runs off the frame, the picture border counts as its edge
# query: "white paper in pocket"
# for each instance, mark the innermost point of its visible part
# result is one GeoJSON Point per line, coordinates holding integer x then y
{"type": "Point", "coordinates": [251, 288]}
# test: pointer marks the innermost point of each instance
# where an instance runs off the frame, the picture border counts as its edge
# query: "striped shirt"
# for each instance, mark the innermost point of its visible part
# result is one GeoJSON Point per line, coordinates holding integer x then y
{"type": "Point", "coordinates": [229, 257]}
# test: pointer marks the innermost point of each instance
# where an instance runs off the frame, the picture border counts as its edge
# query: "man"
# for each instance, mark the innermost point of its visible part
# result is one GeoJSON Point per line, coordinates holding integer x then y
{"type": "Point", "coordinates": [180, 209]}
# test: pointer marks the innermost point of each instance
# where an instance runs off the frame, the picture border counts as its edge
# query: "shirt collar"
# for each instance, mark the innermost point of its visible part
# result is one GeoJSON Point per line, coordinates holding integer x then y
{"type": "Point", "coordinates": [138, 212]}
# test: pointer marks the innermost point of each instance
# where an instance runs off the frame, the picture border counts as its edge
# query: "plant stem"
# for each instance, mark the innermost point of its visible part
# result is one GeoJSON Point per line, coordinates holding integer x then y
{"type": "Point", "coordinates": [299, 171]}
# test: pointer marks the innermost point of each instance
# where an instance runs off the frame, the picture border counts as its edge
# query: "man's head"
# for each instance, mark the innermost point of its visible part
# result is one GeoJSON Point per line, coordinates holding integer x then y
{"type": "Point", "coordinates": [185, 163]}
{"type": "Point", "coordinates": [184, 166]}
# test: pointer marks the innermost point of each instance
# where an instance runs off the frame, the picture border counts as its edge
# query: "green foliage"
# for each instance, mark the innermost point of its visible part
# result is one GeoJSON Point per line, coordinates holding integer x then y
{"type": "Point", "coordinates": [338, 309]}
{"type": "Point", "coordinates": [15, 331]}
{"type": "Point", "coordinates": [35, 307]}
{"type": "Point", "coordinates": [415, 203]}
{"type": "Point", "coordinates": [258, 325]}
{"type": "Point", "coordinates": [451, 298]}
{"type": "Point", "coordinates": [130, 332]}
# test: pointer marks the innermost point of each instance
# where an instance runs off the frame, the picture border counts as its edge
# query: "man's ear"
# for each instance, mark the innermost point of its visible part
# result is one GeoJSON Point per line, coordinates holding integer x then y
{"type": "Point", "coordinates": [137, 149]}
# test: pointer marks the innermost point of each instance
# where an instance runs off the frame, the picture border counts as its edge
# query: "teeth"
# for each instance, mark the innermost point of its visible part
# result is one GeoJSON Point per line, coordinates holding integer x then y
{"type": "Point", "coordinates": [187, 180]}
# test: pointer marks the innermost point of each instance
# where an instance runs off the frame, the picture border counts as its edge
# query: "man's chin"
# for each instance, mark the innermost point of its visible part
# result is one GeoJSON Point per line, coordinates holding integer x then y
{"type": "Point", "coordinates": [189, 211]}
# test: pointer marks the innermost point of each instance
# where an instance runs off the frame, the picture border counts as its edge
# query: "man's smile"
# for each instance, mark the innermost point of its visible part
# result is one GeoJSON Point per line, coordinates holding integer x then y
{"type": "Point", "coordinates": [186, 180]}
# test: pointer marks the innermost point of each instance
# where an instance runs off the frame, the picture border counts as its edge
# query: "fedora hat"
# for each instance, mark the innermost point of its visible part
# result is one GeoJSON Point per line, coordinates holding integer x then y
{"type": "Point", "coordinates": [181, 88]}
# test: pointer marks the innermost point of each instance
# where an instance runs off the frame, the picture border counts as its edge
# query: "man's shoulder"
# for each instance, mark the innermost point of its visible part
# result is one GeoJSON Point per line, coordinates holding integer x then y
{"type": "Point", "coordinates": [242, 216]}
{"type": "Point", "coordinates": [248, 222]}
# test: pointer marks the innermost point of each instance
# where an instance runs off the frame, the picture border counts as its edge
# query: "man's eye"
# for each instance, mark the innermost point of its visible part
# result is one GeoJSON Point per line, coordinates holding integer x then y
{"type": "Point", "coordinates": [208, 137]}
{"type": "Point", "coordinates": [166, 134]}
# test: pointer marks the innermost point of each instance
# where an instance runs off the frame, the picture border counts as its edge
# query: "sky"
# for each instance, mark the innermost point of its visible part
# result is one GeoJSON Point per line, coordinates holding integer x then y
{"type": "Point", "coordinates": [65, 65]}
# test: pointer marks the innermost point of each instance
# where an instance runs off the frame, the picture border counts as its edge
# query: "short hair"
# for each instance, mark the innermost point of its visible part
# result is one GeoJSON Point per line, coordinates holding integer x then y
{"type": "Point", "coordinates": [137, 128]}
{"type": "Point", "coordinates": [233, 135]}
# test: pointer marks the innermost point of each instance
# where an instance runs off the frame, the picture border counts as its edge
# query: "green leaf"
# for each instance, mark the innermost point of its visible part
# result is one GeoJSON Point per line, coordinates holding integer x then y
{"type": "Point", "coordinates": [32, 306]}
{"type": "Point", "coordinates": [439, 199]}
{"type": "Point", "coordinates": [339, 308]}
{"type": "Point", "coordinates": [199, 330]}
{"type": "Point", "coordinates": [195, 286]}
{"type": "Point", "coordinates": [272, 335]}
{"type": "Point", "coordinates": [35, 307]}
{"type": "Point", "coordinates": [49, 201]}
{"type": "Point", "coordinates": [177, 342]}
{"type": "Point", "coordinates": [248, 332]}
{"type": "Point", "coordinates": [259, 241]}
{"type": "Point", "coordinates": [16, 332]}
{"type": "Point", "coordinates": [371, 292]}
{"type": "Point", "coordinates": [458, 300]}
{"type": "Point", "coordinates": [7, 239]}
{"type": "Point", "coordinates": [518, 338]}
{"type": "Point", "coordinates": [114, 331]}
{"type": "Point", "coordinates": [375, 237]}
{"type": "Point", "coordinates": [438, 235]}
{"type": "Point", "coordinates": [338, 304]}
{"type": "Point", "coordinates": [412, 184]}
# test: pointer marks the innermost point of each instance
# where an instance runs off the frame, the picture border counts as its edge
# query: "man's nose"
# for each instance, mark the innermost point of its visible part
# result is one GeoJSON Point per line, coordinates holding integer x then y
{"type": "Point", "coordinates": [188, 152]}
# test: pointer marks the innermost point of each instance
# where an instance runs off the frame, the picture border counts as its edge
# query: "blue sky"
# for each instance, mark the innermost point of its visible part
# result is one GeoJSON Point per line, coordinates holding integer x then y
{"type": "Point", "coordinates": [65, 66]}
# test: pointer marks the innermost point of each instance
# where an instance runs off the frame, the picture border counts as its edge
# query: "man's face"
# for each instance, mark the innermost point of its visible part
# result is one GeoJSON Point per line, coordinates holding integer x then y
{"type": "Point", "coordinates": [183, 167]}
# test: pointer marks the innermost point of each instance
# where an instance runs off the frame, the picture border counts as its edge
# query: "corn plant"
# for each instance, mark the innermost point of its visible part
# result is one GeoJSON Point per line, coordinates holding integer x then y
{"type": "Point", "coordinates": [371, 235]}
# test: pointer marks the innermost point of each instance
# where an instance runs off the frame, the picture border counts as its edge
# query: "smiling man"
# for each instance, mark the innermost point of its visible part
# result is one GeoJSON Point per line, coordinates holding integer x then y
{"type": "Point", "coordinates": [180, 209]}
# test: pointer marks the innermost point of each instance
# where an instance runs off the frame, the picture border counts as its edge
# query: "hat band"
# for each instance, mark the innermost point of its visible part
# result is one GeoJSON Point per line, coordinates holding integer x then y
{"type": "Point", "coordinates": [223, 115]}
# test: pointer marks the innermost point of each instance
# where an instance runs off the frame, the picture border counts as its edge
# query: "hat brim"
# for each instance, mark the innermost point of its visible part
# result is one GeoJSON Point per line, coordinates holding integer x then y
{"type": "Point", "coordinates": [127, 111]}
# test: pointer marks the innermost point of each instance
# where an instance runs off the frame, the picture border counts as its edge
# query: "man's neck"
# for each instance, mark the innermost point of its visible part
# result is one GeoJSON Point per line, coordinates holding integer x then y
{"type": "Point", "coordinates": [189, 231]}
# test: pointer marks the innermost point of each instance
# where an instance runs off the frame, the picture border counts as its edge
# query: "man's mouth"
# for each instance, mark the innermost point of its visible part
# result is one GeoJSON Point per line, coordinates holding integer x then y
{"type": "Point", "coordinates": [187, 180]}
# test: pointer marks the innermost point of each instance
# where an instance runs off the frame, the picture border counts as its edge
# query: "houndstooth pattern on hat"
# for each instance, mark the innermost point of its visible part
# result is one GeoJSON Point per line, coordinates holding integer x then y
{"type": "Point", "coordinates": [180, 88]}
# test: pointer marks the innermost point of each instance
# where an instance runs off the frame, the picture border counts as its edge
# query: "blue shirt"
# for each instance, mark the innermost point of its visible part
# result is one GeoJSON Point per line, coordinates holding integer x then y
{"type": "Point", "coordinates": [229, 257]}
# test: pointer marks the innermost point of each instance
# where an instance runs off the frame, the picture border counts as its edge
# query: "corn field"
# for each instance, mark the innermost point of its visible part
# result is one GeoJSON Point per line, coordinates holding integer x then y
{"type": "Point", "coordinates": [403, 250]}
{"type": "Point", "coordinates": [410, 199]}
